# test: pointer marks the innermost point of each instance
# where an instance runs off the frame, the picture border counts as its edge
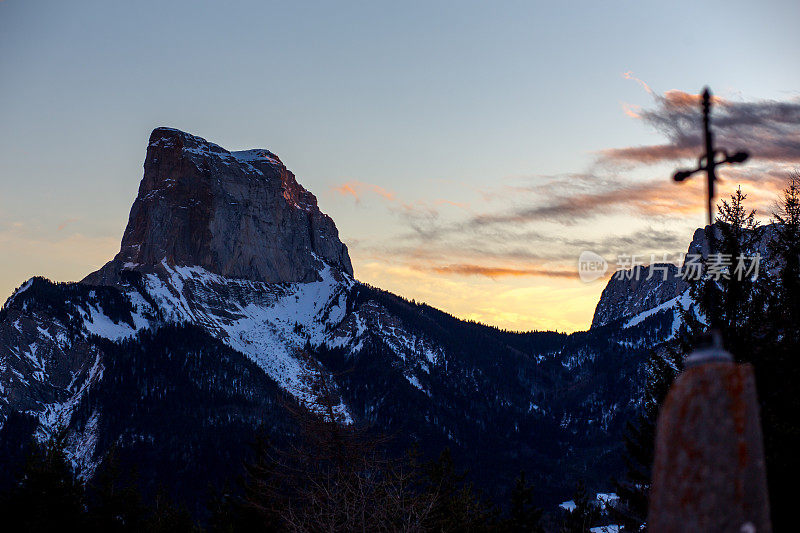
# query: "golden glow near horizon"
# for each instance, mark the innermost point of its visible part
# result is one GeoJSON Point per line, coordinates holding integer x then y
{"type": "Point", "coordinates": [511, 303]}
{"type": "Point", "coordinates": [68, 257]}
{"type": "Point", "coordinates": [504, 293]}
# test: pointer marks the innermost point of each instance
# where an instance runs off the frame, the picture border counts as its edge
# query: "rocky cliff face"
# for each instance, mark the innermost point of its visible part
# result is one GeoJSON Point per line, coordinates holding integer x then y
{"type": "Point", "coordinates": [238, 214]}
{"type": "Point", "coordinates": [631, 292]}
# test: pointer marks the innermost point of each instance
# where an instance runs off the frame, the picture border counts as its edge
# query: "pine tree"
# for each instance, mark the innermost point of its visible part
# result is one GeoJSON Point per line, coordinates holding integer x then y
{"type": "Point", "coordinates": [785, 245]}
{"type": "Point", "coordinates": [727, 291]}
{"type": "Point", "coordinates": [776, 362]}
{"type": "Point", "coordinates": [456, 507]}
{"type": "Point", "coordinates": [523, 516]}
{"type": "Point", "coordinates": [114, 500]}
{"type": "Point", "coordinates": [47, 496]}
{"type": "Point", "coordinates": [740, 233]}
{"type": "Point", "coordinates": [584, 516]}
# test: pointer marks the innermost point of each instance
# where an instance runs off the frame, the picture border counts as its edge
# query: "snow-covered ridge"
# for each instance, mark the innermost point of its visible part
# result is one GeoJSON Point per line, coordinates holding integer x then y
{"type": "Point", "coordinates": [269, 323]}
{"type": "Point", "coordinates": [257, 154]}
{"type": "Point", "coordinates": [682, 302]}
{"type": "Point", "coordinates": [273, 323]}
{"type": "Point", "coordinates": [24, 287]}
{"type": "Point", "coordinates": [165, 137]}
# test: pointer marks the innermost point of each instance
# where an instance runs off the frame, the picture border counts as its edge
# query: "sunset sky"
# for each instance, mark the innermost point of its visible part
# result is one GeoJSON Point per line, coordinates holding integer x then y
{"type": "Point", "coordinates": [467, 151]}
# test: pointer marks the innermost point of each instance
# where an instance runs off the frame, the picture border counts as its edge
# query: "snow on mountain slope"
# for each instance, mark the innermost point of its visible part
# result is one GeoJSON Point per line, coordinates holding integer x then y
{"type": "Point", "coordinates": [46, 355]}
{"type": "Point", "coordinates": [682, 302]}
{"type": "Point", "coordinates": [272, 324]}
{"type": "Point", "coordinates": [269, 323]}
{"type": "Point", "coordinates": [630, 292]}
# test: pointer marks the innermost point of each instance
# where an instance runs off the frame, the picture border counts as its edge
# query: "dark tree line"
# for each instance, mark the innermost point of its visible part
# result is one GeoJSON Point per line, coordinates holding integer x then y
{"type": "Point", "coordinates": [46, 495]}
{"type": "Point", "coordinates": [333, 477]}
{"type": "Point", "coordinates": [336, 476]}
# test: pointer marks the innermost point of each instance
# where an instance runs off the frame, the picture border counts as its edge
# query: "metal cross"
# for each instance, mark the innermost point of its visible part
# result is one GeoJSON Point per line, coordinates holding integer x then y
{"type": "Point", "coordinates": [708, 163]}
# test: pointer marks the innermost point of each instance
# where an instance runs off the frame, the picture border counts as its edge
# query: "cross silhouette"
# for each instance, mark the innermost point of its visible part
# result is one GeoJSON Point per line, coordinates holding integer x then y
{"type": "Point", "coordinates": [708, 163]}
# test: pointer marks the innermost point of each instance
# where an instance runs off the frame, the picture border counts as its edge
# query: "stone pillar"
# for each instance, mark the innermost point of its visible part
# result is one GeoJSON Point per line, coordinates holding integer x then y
{"type": "Point", "coordinates": [709, 472]}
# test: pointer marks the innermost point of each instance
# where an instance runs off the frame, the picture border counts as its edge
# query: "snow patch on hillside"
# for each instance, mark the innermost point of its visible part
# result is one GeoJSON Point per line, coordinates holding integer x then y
{"type": "Point", "coordinates": [676, 304]}
{"type": "Point", "coordinates": [98, 323]}
{"type": "Point", "coordinates": [269, 323]}
{"type": "Point", "coordinates": [80, 448]}
{"type": "Point", "coordinates": [56, 415]}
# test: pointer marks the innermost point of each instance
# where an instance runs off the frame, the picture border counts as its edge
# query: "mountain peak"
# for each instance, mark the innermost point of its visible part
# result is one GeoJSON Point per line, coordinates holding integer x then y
{"type": "Point", "coordinates": [238, 214]}
{"type": "Point", "coordinates": [174, 139]}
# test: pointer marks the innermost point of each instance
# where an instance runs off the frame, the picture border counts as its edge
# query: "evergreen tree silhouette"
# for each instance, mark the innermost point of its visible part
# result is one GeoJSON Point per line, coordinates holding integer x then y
{"type": "Point", "coordinates": [46, 496]}
{"type": "Point", "coordinates": [523, 516]}
{"type": "Point", "coordinates": [585, 514]}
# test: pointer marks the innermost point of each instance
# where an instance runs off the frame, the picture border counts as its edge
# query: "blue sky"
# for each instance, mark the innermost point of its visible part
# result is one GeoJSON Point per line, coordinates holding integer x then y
{"type": "Point", "coordinates": [432, 113]}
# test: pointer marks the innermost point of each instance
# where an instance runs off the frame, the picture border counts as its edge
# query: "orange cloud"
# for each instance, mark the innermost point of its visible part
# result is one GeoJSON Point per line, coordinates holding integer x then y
{"type": "Point", "coordinates": [649, 154]}
{"type": "Point", "coordinates": [681, 99]}
{"type": "Point", "coordinates": [496, 272]}
{"type": "Point", "coordinates": [631, 110]}
{"type": "Point", "coordinates": [659, 197]}
{"type": "Point", "coordinates": [664, 197]}
{"type": "Point", "coordinates": [66, 223]}
{"type": "Point", "coordinates": [357, 189]}
{"type": "Point", "coordinates": [629, 76]}
{"type": "Point", "coordinates": [769, 130]}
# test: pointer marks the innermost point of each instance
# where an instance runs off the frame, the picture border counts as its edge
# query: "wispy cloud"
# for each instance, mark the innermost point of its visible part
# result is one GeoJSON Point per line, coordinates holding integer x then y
{"type": "Point", "coordinates": [66, 223]}
{"type": "Point", "coordinates": [359, 189]}
{"type": "Point", "coordinates": [498, 272]}
{"type": "Point", "coordinates": [769, 130]}
{"type": "Point", "coordinates": [420, 215]}
{"type": "Point", "coordinates": [640, 197]}
{"type": "Point", "coordinates": [629, 76]}
{"type": "Point", "coordinates": [508, 232]}
{"type": "Point", "coordinates": [633, 111]}
{"type": "Point", "coordinates": [518, 253]}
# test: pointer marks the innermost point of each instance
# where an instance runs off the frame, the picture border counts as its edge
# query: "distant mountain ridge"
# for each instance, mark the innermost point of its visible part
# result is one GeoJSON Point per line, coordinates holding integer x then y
{"type": "Point", "coordinates": [231, 277]}
{"type": "Point", "coordinates": [634, 291]}
{"type": "Point", "coordinates": [662, 285]}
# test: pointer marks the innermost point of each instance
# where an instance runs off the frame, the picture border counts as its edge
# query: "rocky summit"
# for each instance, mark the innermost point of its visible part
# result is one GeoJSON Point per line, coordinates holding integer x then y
{"type": "Point", "coordinates": [239, 214]}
